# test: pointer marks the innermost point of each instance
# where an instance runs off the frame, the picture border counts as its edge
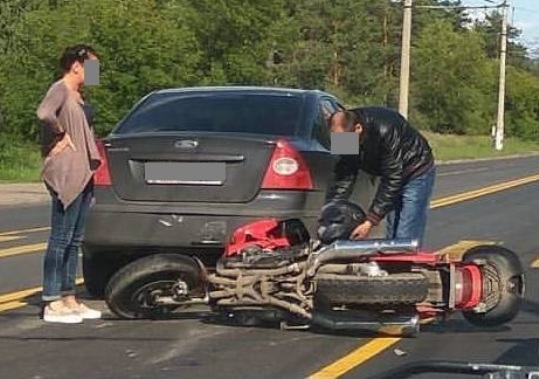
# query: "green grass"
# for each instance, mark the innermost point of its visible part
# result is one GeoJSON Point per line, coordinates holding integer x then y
{"type": "Point", "coordinates": [21, 162]}
{"type": "Point", "coordinates": [452, 147]}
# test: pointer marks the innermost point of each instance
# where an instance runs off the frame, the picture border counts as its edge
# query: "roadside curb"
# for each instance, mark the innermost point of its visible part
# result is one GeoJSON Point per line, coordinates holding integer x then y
{"type": "Point", "coordinates": [472, 160]}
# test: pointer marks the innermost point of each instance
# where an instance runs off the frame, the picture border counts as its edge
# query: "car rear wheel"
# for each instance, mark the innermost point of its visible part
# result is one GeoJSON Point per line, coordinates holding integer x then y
{"type": "Point", "coordinates": [503, 285]}
{"type": "Point", "coordinates": [133, 291]}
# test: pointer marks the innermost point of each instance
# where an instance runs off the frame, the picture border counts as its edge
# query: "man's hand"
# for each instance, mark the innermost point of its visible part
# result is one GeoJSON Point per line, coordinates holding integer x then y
{"type": "Point", "coordinates": [362, 231]}
{"type": "Point", "coordinates": [62, 144]}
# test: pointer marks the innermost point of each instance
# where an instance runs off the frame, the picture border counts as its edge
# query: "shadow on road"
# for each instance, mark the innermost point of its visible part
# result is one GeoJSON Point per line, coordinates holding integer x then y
{"type": "Point", "coordinates": [524, 352]}
{"type": "Point", "coordinates": [530, 306]}
{"type": "Point", "coordinates": [459, 325]}
{"type": "Point", "coordinates": [85, 338]}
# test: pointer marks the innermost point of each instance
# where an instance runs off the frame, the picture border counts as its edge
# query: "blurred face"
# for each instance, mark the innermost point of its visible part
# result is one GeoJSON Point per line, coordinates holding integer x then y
{"type": "Point", "coordinates": [77, 70]}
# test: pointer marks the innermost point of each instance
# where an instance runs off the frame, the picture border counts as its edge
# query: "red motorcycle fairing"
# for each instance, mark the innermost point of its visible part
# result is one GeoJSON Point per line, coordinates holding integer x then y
{"type": "Point", "coordinates": [265, 234]}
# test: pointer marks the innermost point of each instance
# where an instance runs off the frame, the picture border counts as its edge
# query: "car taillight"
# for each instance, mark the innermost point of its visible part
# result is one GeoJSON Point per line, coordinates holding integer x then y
{"type": "Point", "coordinates": [102, 175]}
{"type": "Point", "coordinates": [287, 169]}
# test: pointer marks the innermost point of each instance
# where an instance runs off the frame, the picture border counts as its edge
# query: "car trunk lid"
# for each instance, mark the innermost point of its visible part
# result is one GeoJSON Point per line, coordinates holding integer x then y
{"type": "Point", "coordinates": [193, 167]}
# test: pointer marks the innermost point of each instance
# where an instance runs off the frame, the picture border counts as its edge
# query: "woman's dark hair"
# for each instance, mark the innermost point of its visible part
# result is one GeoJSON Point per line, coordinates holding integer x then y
{"type": "Point", "coordinates": [78, 53]}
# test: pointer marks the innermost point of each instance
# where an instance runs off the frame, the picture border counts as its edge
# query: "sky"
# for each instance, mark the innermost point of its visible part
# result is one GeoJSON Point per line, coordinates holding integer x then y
{"type": "Point", "coordinates": [524, 15]}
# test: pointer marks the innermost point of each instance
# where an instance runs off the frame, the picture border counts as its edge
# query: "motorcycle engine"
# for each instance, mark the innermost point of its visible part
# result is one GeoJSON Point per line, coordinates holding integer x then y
{"type": "Point", "coordinates": [256, 257]}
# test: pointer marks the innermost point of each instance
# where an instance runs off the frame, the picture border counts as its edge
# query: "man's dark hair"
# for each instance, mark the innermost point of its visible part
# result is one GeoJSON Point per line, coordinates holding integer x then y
{"type": "Point", "coordinates": [350, 119]}
{"type": "Point", "coordinates": [77, 53]}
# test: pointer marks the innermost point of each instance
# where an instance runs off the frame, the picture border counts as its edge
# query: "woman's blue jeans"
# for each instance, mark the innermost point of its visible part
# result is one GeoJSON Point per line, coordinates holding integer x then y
{"type": "Point", "coordinates": [61, 257]}
{"type": "Point", "coordinates": [409, 217]}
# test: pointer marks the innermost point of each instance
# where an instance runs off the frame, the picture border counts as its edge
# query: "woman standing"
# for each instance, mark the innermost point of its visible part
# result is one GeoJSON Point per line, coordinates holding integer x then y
{"type": "Point", "coordinates": [70, 158]}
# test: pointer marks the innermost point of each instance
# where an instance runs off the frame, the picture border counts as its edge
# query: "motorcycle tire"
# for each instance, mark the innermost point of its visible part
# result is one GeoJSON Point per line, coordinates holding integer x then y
{"type": "Point", "coordinates": [503, 282]}
{"type": "Point", "coordinates": [397, 289]}
{"type": "Point", "coordinates": [129, 292]}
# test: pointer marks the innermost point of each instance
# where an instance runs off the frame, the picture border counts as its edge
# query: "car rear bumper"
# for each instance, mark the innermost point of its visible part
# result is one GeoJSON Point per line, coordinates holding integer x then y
{"type": "Point", "coordinates": [116, 224]}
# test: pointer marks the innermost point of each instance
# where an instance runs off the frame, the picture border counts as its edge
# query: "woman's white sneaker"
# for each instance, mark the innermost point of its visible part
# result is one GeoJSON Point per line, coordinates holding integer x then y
{"type": "Point", "coordinates": [88, 313]}
{"type": "Point", "coordinates": [62, 315]}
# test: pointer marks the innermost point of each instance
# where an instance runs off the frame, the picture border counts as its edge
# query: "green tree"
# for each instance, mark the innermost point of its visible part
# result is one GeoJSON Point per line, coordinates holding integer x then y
{"type": "Point", "coordinates": [143, 46]}
{"type": "Point", "coordinates": [233, 37]}
{"type": "Point", "coordinates": [452, 80]}
{"type": "Point", "coordinates": [522, 104]}
{"type": "Point", "coordinates": [138, 53]}
{"type": "Point", "coordinates": [349, 47]}
{"type": "Point", "coordinates": [490, 28]}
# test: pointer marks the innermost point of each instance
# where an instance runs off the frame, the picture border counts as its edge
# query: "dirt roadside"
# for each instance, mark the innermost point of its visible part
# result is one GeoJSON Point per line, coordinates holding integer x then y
{"type": "Point", "coordinates": [22, 194]}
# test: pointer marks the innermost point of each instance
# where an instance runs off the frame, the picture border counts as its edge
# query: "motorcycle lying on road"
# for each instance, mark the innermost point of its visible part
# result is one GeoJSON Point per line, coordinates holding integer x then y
{"type": "Point", "coordinates": [485, 370]}
{"type": "Point", "coordinates": [273, 271]}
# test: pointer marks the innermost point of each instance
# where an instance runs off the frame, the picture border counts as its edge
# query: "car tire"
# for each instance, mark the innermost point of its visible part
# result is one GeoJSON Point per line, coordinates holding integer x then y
{"type": "Point", "coordinates": [128, 293]}
{"type": "Point", "coordinates": [504, 276]}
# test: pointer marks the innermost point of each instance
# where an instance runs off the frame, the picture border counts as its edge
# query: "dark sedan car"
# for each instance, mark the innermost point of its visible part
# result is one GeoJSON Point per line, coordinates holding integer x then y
{"type": "Point", "coordinates": [187, 166]}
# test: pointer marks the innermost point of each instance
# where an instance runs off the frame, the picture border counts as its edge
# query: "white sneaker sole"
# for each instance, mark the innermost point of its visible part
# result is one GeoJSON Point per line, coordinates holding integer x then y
{"type": "Point", "coordinates": [63, 319]}
{"type": "Point", "coordinates": [91, 316]}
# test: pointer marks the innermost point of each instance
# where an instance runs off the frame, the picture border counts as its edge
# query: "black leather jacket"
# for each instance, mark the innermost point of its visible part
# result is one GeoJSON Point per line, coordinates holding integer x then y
{"type": "Point", "coordinates": [389, 148]}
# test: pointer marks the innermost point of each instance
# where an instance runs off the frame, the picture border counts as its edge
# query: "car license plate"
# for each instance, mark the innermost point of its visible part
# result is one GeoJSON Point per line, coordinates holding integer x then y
{"type": "Point", "coordinates": [206, 173]}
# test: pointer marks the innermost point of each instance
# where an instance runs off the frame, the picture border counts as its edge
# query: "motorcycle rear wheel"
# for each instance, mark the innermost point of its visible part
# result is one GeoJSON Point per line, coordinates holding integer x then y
{"type": "Point", "coordinates": [132, 291]}
{"type": "Point", "coordinates": [503, 285]}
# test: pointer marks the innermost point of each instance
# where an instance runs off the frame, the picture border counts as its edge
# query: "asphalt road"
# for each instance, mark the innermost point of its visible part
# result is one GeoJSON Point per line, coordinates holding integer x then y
{"type": "Point", "coordinates": [191, 347]}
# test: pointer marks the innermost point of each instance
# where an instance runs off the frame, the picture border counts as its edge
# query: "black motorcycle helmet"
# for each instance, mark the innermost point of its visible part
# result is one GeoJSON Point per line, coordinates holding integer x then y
{"type": "Point", "coordinates": [338, 220]}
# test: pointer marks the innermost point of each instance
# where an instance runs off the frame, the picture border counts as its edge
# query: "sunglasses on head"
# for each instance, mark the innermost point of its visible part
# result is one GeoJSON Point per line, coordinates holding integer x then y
{"type": "Point", "coordinates": [81, 52]}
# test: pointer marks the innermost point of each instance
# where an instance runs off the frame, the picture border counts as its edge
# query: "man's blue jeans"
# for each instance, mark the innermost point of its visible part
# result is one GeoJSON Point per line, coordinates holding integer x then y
{"type": "Point", "coordinates": [409, 217]}
{"type": "Point", "coordinates": [61, 258]}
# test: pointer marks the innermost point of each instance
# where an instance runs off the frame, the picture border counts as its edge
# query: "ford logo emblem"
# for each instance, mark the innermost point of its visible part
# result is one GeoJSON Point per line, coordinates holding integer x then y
{"type": "Point", "coordinates": [186, 144]}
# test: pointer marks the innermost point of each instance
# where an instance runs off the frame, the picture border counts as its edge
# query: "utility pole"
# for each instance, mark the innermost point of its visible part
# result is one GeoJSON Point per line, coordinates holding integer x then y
{"type": "Point", "coordinates": [501, 90]}
{"type": "Point", "coordinates": [405, 58]}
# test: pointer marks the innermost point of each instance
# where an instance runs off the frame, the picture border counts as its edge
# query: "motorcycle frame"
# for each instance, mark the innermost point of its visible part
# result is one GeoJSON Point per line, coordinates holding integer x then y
{"type": "Point", "coordinates": [389, 252]}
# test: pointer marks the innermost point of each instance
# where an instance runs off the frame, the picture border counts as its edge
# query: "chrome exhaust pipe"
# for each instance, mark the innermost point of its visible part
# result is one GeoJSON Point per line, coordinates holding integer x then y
{"type": "Point", "coordinates": [350, 249]}
{"type": "Point", "coordinates": [402, 326]}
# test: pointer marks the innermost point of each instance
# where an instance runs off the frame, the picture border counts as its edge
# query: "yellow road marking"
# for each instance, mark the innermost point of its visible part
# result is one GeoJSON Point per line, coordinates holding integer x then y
{"type": "Point", "coordinates": [449, 200]}
{"type": "Point", "coordinates": [25, 231]}
{"type": "Point", "coordinates": [17, 299]}
{"type": "Point", "coordinates": [12, 305]}
{"type": "Point", "coordinates": [356, 357]}
{"type": "Point", "coordinates": [23, 249]}
{"type": "Point", "coordinates": [18, 295]}
{"type": "Point", "coordinates": [535, 263]}
{"type": "Point", "coordinates": [377, 345]}
{"type": "Point", "coordinates": [10, 238]}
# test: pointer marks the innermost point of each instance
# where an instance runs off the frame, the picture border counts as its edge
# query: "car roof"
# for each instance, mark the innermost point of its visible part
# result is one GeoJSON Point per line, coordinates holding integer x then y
{"type": "Point", "coordinates": [242, 89]}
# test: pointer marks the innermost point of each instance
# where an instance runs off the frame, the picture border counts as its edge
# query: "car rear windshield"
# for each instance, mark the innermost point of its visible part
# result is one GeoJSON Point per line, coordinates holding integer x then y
{"type": "Point", "coordinates": [236, 113]}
